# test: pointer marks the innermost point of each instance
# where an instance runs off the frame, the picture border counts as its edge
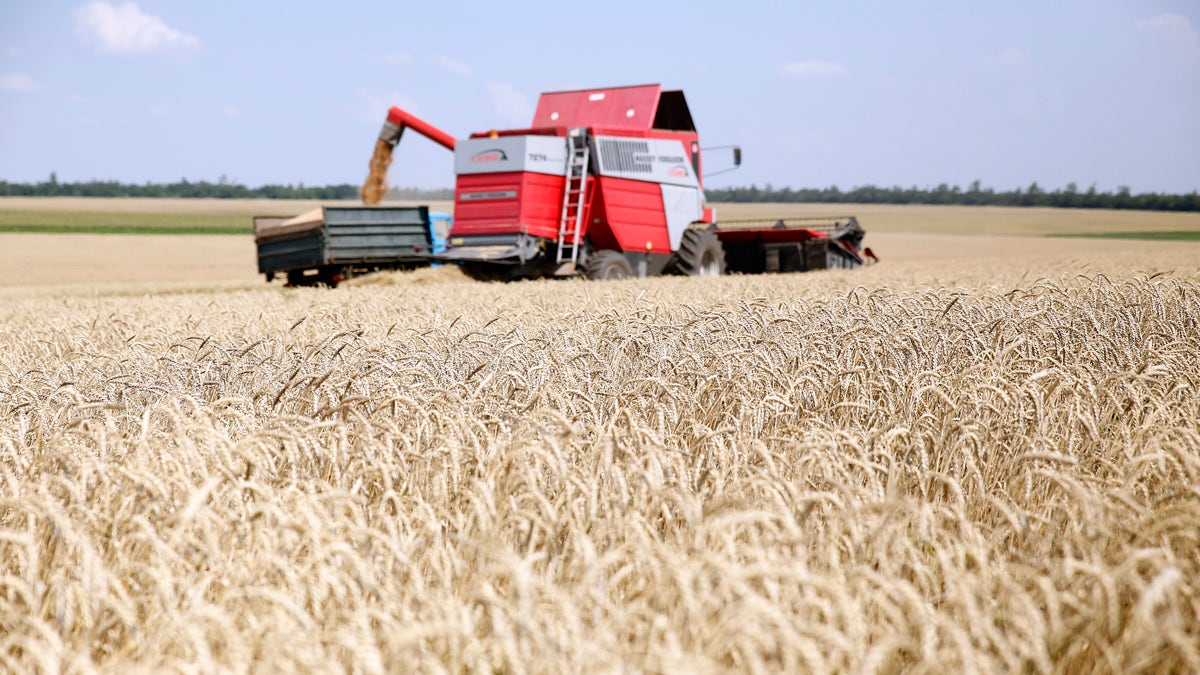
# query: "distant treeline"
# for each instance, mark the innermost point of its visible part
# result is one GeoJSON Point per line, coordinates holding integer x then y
{"type": "Point", "coordinates": [1068, 197]}
{"type": "Point", "coordinates": [222, 189]}
{"type": "Point", "coordinates": [419, 194]}
{"type": "Point", "coordinates": [182, 189]}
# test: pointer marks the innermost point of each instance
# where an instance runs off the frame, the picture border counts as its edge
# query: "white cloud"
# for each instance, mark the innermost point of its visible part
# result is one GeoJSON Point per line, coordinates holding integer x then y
{"type": "Point", "coordinates": [1173, 36]}
{"type": "Point", "coordinates": [1023, 104]}
{"type": "Point", "coordinates": [1013, 67]}
{"type": "Point", "coordinates": [1012, 62]}
{"type": "Point", "coordinates": [74, 99]}
{"type": "Point", "coordinates": [808, 143]}
{"type": "Point", "coordinates": [812, 70]}
{"type": "Point", "coordinates": [17, 82]}
{"type": "Point", "coordinates": [509, 103]}
{"type": "Point", "coordinates": [453, 66]}
{"type": "Point", "coordinates": [124, 30]}
{"type": "Point", "coordinates": [161, 111]}
{"type": "Point", "coordinates": [398, 59]}
{"type": "Point", "coordinates": [229, 112]}
{"type": "Point", "coordinates": [374, 107]}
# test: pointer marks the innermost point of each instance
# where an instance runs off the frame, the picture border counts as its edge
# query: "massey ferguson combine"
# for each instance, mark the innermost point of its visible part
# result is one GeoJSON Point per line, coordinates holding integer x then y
{"type": "Point", "coordinates": [608, 183]}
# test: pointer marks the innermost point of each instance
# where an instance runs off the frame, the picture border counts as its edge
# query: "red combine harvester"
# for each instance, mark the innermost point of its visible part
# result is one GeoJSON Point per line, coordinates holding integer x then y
{"type": "Point", "coordinates": [608, 183]}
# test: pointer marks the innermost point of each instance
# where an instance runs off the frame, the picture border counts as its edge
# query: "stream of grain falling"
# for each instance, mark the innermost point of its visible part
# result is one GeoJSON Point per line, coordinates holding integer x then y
{"type": "Point", "coordinates": [376, 183]}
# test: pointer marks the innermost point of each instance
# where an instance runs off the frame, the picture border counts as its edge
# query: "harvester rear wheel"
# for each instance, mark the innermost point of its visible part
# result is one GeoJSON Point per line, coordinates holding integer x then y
{"type": "Point", "coordinates": [700, 254]}
{"type": "Point", "coordinates": [608, 265]}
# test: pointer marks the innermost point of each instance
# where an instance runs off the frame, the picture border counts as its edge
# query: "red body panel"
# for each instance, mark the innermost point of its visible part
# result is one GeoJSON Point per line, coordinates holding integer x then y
{"type": "Point", "coordinates": [631, 216]}
{"type": "Point", "coordinates": [624, 214]}
{"type": "Point", "coordinates": [616, 107]}
{"type": "Point", "coordinates": [534, 206]}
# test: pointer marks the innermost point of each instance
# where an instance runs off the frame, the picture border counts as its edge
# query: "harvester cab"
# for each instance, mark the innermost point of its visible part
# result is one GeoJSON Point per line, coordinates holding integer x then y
{"type": "Point", "coordinates": [614, 169]}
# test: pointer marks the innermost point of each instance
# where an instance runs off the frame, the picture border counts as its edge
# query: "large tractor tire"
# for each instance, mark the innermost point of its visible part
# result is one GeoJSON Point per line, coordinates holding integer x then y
{"type": "Point", "coordinates": [607, 265]}
{"type": "Point", "coordinates": [700, 254]}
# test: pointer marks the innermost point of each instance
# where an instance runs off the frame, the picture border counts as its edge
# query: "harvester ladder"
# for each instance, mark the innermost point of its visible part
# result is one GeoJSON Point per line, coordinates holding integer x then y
{"type": "Point", "coordinates": [574, 197]}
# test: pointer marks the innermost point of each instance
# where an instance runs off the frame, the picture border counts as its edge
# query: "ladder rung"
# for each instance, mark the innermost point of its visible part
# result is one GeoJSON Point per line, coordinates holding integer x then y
{"type": "Point", "coordinates": [576, 198]}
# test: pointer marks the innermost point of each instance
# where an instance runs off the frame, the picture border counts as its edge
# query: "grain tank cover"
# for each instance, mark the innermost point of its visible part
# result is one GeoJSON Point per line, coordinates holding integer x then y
{"type": "Point", "coordinates": [638, 108]}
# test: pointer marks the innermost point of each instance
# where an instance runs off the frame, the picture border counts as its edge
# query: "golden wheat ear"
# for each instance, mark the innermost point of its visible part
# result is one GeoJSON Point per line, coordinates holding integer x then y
{"type": "Point", "coordinates": [961, 467]}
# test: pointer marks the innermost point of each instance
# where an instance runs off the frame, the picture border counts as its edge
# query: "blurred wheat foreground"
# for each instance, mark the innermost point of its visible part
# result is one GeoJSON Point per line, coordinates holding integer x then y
{"type": "Point", "coordinates": [850, 472]}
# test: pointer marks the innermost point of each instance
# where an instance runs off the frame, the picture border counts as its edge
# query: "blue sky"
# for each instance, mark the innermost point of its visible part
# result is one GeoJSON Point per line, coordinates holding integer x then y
{"type": "Point", "coordinates": [817, 93]}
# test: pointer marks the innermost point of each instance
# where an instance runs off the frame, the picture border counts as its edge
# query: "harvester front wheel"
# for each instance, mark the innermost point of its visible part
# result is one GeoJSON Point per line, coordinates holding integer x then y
{"type": "Point", "coordinates": [700, 254]}
{"type": "Point", "coordinates": [607, 265]}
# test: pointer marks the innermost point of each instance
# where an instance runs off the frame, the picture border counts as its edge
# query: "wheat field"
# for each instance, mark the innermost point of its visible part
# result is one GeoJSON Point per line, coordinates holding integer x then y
{"type": "Point", "coordinates": [987, 464]}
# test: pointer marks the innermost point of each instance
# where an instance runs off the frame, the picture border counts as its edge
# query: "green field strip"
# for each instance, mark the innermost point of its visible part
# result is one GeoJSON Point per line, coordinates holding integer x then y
{"type": "Point", "coordinates": [1159, 235]}
{"type": "Point", "coordinates": [91, 222]}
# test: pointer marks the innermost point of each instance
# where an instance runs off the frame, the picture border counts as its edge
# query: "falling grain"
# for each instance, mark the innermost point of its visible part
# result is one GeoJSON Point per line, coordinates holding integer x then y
{"type": "Point", "coordinates": [375, 186]}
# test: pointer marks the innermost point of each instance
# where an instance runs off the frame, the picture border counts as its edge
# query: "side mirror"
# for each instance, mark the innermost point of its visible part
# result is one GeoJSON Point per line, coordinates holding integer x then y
{"type": "Point", "coordinates": [737, 158]}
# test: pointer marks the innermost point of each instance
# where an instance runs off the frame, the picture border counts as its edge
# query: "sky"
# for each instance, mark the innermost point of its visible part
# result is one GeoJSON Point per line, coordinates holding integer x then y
{"type": "Point", "coordinates": [850, 93]}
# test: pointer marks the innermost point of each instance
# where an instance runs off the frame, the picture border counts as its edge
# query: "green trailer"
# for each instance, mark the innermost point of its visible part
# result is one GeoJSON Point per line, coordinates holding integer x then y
{"type": "Point", "coordinates": [335, 243]}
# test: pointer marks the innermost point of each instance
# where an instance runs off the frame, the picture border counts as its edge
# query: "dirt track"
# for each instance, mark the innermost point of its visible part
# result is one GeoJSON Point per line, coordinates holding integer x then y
{"type": "Point", "coordinates": [51, 259]}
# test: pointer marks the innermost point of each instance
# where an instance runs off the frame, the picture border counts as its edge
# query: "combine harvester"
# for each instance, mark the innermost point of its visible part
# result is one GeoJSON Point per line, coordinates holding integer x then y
{"type": "Point", "coordinates": [607, 183]}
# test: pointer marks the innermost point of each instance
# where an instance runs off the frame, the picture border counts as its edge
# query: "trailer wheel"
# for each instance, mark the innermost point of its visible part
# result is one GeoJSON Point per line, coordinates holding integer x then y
{"type": "Point", "coordinates": [607, 265]}
{"type": "Point", "coordinates": [700, 254]}
{"type": "Point", "coordinates": [331, 276]}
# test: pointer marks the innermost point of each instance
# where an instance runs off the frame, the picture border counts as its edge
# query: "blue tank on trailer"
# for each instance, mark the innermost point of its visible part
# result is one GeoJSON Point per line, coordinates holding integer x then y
{"type": "Point", "coordinates": [439, 229]}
